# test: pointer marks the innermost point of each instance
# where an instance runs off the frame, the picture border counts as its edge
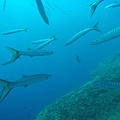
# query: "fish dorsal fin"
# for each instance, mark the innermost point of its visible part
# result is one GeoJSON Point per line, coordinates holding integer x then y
{"type": "Point", "coordinates": [29, 48]}
{"type": "Point", "coordinates": [24, 76]}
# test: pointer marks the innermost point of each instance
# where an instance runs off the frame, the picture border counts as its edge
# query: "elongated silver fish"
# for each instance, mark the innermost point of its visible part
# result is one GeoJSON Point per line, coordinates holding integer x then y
{"type": "Point", "coordinates": [83, 32]}
{"type": "Point", "coordinates": [94, 6]}
{"type": "Point", "coordinates": [39, 41]}
{"type": "Point", "coordinates": [107, 36]}
{"type": "Point", "coordinates": [42, 11]}
{"type": "Point", "coordinates": [116, 4]}
{"type": "Point", "coordinates": [24, 81]}
{"type": "Point", "coordinates": [109, 84]}
{"type": "Point", "coordinates": [4, 5]}
{"type": "Point", "coordinates": [14, 31]}
{"type": "Point", "coordinates": [43, 40]}
{"type": "Point", "coordinates": [44, 44]}
{"type": "Point", "coordinates": [29, 52]}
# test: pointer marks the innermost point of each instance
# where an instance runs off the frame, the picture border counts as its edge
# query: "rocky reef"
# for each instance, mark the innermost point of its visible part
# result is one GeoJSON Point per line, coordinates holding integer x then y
{"type": "Point", "coordinates": [91, 101]}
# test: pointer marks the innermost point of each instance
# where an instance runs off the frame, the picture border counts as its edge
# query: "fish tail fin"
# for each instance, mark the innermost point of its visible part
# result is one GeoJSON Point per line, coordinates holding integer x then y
{"type": "Point", "coordinates": [14, 52]}
{"type": "Point", "coordinates": [5, 63]}
{"type": "Point", "coordinates": [6, 89]}
{"type": "Point", "coordinates": [95, 27]}
{"type": "Point", "coordinates": [93, 7]}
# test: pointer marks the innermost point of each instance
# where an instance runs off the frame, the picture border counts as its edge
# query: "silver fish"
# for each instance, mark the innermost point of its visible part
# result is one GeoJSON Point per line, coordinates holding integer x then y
{"type": "Point", "coordinates": [14, 31]}
{"type": "Point", "coordinates": [116, 4]}
{"type": "Point", "coordinates": [109, 84]}
{"type": "Point", "coordinates": [24, 81]}
{"type": "Point", "coordinates": [44, 44]}
{"type": "Point", "coordinates": [42, 11]}
{"type": "Point", "coordinates": [4, 5]}
{"type": "Point", "coordinates": [43, 40]}
{"type": "Point", "coordinates": [83, 32]}
{"type": "Point", "coordinates": [29, 52]}
{"type": "Point", "coordinates": [107, 36]}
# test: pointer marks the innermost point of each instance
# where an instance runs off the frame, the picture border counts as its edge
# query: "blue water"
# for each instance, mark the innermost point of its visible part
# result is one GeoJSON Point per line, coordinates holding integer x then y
{"type": "Point", "coordinates": [66, 17]}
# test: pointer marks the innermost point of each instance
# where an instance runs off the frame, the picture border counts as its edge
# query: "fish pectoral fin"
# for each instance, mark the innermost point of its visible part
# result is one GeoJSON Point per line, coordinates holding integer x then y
{"type": "Point", "coordinates": [14, 52]}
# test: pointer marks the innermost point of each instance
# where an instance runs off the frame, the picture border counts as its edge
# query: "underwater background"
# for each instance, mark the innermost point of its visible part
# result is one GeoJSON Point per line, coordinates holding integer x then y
{"type": "Point", "coordinates": [66, 19]}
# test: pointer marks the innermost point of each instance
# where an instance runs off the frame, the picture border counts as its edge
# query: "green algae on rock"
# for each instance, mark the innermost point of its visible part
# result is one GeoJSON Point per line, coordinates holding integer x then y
{"type": "Point", "coordinates": [90, 102]}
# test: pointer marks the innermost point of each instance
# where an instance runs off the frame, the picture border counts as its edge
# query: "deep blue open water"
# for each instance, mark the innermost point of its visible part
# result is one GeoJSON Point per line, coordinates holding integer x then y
{"type": "Point", "coordinates": [66, 17]}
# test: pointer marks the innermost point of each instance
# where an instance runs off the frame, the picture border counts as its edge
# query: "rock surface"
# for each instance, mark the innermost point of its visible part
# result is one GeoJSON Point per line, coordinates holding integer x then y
{"type": "Point", "coordinates": [90, 102]}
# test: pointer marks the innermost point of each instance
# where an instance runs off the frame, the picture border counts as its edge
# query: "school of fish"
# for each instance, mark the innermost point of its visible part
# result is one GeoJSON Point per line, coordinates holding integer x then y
{"type": "Point", "coordinates": [30, 79]}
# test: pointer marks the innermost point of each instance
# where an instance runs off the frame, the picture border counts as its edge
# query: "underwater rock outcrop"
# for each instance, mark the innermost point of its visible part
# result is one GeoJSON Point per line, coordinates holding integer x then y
{"type": "Point", "coordinates": [91, 101]}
